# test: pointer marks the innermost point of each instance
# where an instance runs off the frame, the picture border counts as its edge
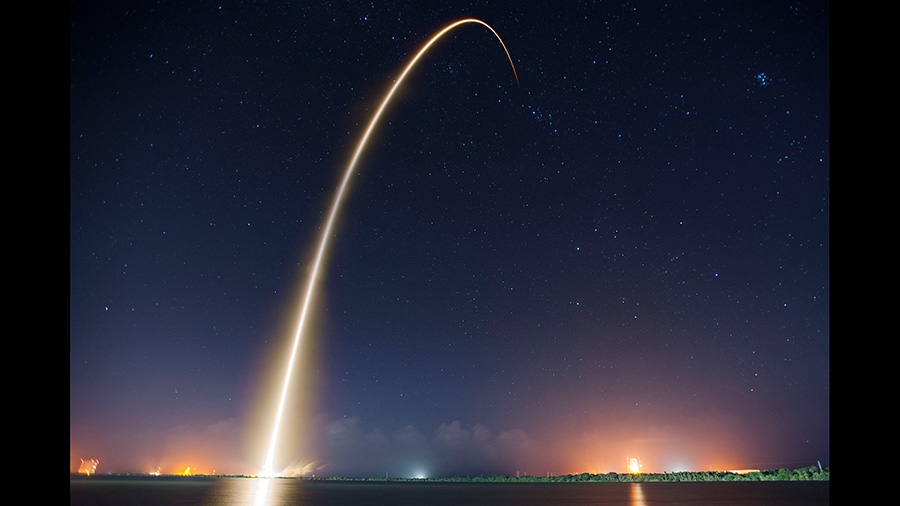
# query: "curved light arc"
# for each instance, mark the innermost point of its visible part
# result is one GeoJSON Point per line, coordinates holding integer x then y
{"type": "Point", "coordinates": [268, 470]}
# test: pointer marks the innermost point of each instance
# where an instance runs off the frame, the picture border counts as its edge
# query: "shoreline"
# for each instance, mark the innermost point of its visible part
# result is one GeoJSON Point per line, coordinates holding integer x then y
{"type": "Point", "coordinates": [811, 473]}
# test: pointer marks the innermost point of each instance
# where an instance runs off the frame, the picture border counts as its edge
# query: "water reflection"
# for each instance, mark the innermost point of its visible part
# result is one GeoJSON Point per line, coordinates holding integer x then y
{"type": "Point", "coordinates": [250, 492]}
{"type": "Point", "coordinates": [272, 492]}
{"type": "Point", "coordinates": [259, 495]}
{"type": "Point", "coordinates": [115, 491]}
{"type": "Point", "coordinates": [637, 495]}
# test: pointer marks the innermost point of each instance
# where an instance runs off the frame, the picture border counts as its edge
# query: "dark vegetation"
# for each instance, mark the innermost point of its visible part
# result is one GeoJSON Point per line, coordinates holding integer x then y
{"type": "Point", "coordinates": [811, 473]}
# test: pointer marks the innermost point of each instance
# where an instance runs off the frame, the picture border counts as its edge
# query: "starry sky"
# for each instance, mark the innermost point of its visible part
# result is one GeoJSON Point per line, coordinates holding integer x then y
{"type": "Point", "coordinates": [624, 255]}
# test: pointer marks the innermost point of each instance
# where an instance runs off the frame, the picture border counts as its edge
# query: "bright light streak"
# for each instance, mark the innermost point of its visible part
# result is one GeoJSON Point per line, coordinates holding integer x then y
{"type": "Point", "coordinates": [260, 493]}
{"type": "Point", "coordinates": [268, 467]}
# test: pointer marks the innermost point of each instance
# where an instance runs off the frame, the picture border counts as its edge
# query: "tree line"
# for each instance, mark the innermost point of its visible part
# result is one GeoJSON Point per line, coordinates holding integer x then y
{"type": "Point", "coordinates": [811, 473]}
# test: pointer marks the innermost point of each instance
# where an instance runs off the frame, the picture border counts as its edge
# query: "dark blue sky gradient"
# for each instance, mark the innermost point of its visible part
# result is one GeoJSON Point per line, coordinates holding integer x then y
{"type": "Point", "coordinates": [627, 254]}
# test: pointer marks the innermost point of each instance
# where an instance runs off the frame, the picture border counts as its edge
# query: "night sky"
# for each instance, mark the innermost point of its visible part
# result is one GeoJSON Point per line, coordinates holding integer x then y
{"type": "Point", "coordinates": [626, 255]}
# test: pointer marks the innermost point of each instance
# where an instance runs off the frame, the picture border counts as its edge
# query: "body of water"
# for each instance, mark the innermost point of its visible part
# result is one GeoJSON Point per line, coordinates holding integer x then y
{"type": "Point", "coordinates": [162, 491]}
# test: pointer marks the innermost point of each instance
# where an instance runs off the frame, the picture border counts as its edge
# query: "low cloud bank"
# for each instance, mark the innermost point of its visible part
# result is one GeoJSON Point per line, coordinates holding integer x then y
{"type": "Point", "coordinates": [451, 449]}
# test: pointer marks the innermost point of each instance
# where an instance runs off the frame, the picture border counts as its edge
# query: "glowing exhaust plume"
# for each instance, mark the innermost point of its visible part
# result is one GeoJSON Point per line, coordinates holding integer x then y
{"type": "Point", "coordinates": [89, 467]}
{"type": "Point", "coordinates": [634, 465]}
{"type": "Point", "coordinates": [268, 467]}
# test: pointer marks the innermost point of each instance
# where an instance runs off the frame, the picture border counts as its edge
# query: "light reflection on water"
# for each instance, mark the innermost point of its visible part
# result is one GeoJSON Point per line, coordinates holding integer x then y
{"type": "Point", "coordinates": [260, 493]}
{"type": "Point", "coordinates": [283, 492]}
{"type": "Point", "coordinates": [255, 492]}
{"type": "Point", "coordinates": [637, 495]}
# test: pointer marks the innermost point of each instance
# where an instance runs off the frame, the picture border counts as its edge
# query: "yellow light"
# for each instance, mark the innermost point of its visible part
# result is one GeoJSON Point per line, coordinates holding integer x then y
{"type": "Point", "coordinates": [88, 467]}
{"type": "Point", "coordinates": [634, 465]}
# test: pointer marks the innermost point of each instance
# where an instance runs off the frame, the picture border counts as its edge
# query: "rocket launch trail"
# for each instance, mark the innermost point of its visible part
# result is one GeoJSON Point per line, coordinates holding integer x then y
{"type": "Point", "coordinates": [268, 466]}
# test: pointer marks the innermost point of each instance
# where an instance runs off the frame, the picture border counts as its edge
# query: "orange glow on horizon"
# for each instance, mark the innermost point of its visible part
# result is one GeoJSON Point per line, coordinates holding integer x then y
{"type": "Point", "coordinates": [634, 465]}
{"type": "Point", "coordinates": [611, 456]}
{"type": "Point", "coordinates": [707, 440]}
{"type": "Point", "coordinates": [89, 467]}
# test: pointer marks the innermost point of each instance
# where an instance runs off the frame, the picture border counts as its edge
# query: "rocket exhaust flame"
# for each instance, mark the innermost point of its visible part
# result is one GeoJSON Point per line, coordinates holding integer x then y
{"type": "Point", "coordinates": [634, 465]}
{"type": "Point", "coordinates": [89, 467]}
{"type": "Point", "coordinates": [268, 467]}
